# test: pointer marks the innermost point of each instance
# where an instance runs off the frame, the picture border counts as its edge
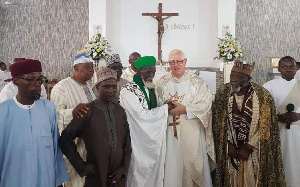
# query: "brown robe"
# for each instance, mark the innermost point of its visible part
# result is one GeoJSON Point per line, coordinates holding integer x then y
{"type": "Point", "coordinates": [105, 132]}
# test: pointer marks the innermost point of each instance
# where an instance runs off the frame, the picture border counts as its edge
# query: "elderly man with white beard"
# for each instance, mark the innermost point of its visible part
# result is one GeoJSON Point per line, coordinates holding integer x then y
{"type": "Point", "coordinates": [246, 133]}
{"type": "Point", "coordinates": [147, 124]}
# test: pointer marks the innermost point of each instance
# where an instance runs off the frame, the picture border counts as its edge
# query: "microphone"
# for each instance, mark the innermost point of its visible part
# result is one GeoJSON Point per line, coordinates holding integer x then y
{"type": "Point", "coordinates": [290, 108]}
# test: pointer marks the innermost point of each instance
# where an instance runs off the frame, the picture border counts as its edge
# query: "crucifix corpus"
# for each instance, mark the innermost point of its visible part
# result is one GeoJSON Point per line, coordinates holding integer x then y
{"type": "Point", "coordinates": [160, 17]}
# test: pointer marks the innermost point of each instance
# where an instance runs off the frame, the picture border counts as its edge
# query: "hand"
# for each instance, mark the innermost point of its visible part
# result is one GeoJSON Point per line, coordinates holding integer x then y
{"type": "Point", "coordinates": [288, 117]}
{"type": "Point", "coordinates": [292, 117]}
{"type": "Point", "coordinates": [115, 177]}
{"type": "Point", "coordinates": [245, 152]}
{"type": "Point", "coordinates": [178, 110]}
{"type": "Point", "coordinates": [232, 150]}
{"type": "Point", "coordinates": [282, 118]}
{"type": "Point", "coordinates": [170, 104]}
{"type": "Point", "coordinates": [80, 110]}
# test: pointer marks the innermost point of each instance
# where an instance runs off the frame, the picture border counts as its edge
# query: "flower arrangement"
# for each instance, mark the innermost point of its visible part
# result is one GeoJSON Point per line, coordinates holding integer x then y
{"type": "Point", "coordinates": [229, 49]}
{"type": "Point", "coordinates": [98, 47]}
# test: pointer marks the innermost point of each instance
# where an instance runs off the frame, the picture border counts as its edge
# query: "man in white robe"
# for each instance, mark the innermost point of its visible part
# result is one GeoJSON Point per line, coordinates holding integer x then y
{"type": "Point", "coordinates": [190, 145]}
{"type": "Point", "coordinates": [147, 124]}
{"type": "Point", "coordinates": [70, 97]}
{"type": "Point", "coordinates": [286, 90]}
{"type": "Point", "coordinates": [130, 71]}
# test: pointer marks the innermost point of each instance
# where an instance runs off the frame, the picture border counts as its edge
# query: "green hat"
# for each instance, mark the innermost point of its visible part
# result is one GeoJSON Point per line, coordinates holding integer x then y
{"type": "Point", "coordinates": [144, 62]}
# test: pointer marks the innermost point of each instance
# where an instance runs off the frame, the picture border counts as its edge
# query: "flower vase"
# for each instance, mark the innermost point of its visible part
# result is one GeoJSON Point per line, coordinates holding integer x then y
{"type": "Point", "coordinates": [97, 65]}
{"type": "Point", "coordinates": [227, 67]}
{"type": "Point", "coordinates": [101, 63]}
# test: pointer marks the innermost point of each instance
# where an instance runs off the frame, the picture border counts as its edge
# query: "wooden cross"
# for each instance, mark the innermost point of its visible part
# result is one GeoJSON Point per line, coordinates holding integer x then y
{"type": "Point", "coordinates": [175, 122]}
{"type": "Point", "coordinates": [160, 26]}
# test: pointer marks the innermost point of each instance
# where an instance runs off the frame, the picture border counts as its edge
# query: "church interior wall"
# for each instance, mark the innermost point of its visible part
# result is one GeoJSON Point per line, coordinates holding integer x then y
{"type": "Point", "coordinates": [194, 30]}
{"type": "Point", "coordinates": [51, 31]}
{"type": "Point", "coordinates": [268, 29]}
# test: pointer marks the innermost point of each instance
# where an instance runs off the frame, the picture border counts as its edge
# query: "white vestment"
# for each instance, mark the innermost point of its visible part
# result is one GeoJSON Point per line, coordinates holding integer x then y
{"type": "Point", "coordinates": [188, 157]}
{"type": "Point", "coordinates": [128, 74]}
{"type": "Point", "coordinates": [290, 138]}
{"type": "Point", "coordinates": [66, 95]}
{"type": "Point", "coordinates": [11, 90]}
{"type": "Point", "coordinates": [4, 75]}
{"type": "Point", "coordinates": [148, 138]}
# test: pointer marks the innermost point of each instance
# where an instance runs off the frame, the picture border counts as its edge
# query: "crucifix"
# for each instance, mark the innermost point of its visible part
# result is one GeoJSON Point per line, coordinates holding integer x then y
{"type": "Point", "coordinates": [176, 120]}
{"type": "Point", "coordinates": [160, 17]}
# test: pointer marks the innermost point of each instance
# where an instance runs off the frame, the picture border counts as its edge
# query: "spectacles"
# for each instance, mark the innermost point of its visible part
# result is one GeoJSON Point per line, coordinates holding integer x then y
{"type": "Point", "coordinates": [40, 80]}
{"type": "Point", "coordinates": [173, 62]}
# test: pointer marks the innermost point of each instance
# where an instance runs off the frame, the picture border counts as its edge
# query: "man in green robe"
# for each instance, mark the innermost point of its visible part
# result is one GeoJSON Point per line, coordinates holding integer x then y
{"type": "Point", "coordinates": [246, 134]}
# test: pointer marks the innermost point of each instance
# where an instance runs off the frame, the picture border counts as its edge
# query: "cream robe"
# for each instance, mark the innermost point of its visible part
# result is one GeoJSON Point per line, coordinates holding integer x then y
{"type": "Point", "coordinates": [187, 159]}
{"type": "Point", "coordinates": [128, 74]}
{"type": "Point", "coordinates": [280, 89]}
{"type": "Point", "coordinates": [148, 138]}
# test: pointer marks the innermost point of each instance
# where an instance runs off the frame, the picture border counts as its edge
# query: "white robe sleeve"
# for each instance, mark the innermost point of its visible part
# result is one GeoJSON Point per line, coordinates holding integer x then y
{"type": "Point", "coordinates": [64, 115]}
{"type": "Point", "coordinates": [43, 92]}
{"type": "Point", "coordinates": [148, 135]}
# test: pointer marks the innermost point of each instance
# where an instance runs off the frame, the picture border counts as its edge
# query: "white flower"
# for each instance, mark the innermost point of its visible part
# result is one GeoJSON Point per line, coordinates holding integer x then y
{"type": "Point", "coordinates": [229, 56]}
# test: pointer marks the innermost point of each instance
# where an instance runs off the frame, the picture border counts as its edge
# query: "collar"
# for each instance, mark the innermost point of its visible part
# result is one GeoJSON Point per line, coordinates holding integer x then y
{"type": "Point", "coordinates": [23, 106]}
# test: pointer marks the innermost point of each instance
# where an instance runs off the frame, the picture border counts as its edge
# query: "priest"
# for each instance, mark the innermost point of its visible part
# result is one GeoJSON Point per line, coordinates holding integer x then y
{"type": "Point", "coordinates": [190, 145]}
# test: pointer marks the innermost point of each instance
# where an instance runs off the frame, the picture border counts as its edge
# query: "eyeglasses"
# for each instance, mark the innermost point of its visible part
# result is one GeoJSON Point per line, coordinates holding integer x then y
{"type": "Point", "coordinates": [179, 62]}
{"type": "Point", "coordinates": [40, 80]}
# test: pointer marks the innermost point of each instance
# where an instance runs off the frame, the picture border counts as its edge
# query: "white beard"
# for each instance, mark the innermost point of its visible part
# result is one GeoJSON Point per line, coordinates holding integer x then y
{"type": "Point", "coordinates": [149, 84]}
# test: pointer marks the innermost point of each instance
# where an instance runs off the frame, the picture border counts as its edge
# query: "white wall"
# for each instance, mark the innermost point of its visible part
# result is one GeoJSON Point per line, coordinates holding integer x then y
{"type": "Point", "coordinates": [226, 12]}
{"type": "Point", "coordinates": [97, 16]}
{"type": "Point", "coordinates": [128, 31]}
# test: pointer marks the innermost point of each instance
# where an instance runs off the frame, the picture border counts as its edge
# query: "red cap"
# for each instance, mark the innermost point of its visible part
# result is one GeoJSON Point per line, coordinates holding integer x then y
{"type": "Point", "coordinates": [26, 66]}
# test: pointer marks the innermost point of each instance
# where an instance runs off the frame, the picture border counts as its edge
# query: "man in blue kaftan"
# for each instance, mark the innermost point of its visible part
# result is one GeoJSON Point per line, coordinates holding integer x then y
{"type": "Point", "coordinates": [29, 154]}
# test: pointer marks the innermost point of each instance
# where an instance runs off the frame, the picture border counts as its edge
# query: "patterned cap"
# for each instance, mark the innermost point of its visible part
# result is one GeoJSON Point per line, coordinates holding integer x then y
{"type": "Point", "coordinates": [243, 67]}
{"type": "Point", "coordinates": [105, 73]}
{"type": "Point", "coordinates": [114, 58]}
{"type": "Point", "coordinates": [82, 56]}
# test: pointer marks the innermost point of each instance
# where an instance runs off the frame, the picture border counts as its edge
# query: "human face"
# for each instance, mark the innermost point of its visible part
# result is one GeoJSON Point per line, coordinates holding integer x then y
{"type": "Point", "coordinates": [107, 90]}
{"type": "Point", "coordinates": [118, 68]}
{"type": "Point", "coordinates": [3, 67]}
{"type": "Point", "coordinates": [29, 85]}
{"type": "Point", "coordinates": [177, 64]}
{"type": "Point", "coordinates": [85, 71]}
{"type": "Point", "coordinates": [147, 73]}
{"type": "Point", "coordinates": [131, 60]}
{"type": "Point", "coordinates": [287, 69]}
{"type": "Point", "coordinates": [238, 81]}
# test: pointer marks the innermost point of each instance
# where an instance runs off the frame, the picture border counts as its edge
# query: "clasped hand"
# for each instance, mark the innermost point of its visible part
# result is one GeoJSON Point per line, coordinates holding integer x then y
{"type": "Point", "coordinates": [240, 154]}
{"type": "Point", "coordinates": [175, 108]}
{"type": "Point", "coordinates": [288, 117]}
